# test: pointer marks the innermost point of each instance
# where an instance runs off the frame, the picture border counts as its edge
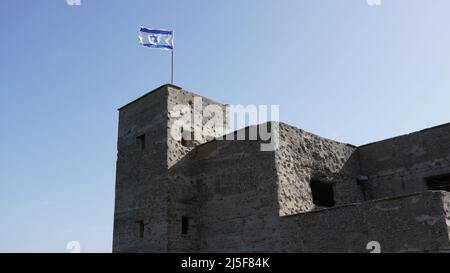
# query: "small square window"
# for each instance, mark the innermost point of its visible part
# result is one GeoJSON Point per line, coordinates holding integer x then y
{"type": "Point", "coordinates": [141, 228]}
{"type": "Point", "coordinates": [322, 193]}
{"type": "Point", "coordinates": [439, 182]}
{"type": "Point", "coordinates": [185, 225]}
{"type": "Point", "coordinates": [141, 141]}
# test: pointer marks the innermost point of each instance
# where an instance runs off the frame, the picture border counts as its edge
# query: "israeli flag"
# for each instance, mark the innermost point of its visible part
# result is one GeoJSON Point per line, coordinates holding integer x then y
{"type": "Point", "coordinates": [154, 38]}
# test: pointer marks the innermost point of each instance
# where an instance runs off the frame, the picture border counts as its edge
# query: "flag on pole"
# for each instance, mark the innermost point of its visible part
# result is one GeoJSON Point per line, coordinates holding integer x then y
{"type": "Point", "coordinates": [154, 38]}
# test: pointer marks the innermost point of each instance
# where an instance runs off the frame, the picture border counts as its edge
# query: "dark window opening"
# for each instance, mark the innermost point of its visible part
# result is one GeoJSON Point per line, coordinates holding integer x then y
{"type": "Point", "coordinates": [141, 228]}
{"type": "Point", "coordinates": [141, 141]}
{"type": "Point", "coordinates": [187, 139]}
{"type": "Point", "coordinates": [363, 183]}
{"type": "Point", "coordinates": [322, 193]}
{"type": "Point", "coordinates": [439, 182]}
{"type": "Point", "coordinates": [184, 225]}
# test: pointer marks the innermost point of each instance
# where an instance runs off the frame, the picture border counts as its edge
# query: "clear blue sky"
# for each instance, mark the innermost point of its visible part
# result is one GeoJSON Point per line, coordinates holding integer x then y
{"type": "Point", "coordinates": [342, 69]}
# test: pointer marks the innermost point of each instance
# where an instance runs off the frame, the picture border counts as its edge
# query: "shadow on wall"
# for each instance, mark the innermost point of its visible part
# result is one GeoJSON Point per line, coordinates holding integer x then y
{"type": "Point", "coordinates": [228, 190]}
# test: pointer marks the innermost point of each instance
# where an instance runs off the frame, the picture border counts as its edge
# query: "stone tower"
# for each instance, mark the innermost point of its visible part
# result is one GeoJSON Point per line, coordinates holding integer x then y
{"type": "Point", "coordinates": [147, 210]}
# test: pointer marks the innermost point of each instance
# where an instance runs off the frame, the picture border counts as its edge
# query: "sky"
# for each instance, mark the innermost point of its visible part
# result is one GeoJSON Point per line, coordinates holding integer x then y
{"type": "Point", "coordinates": [345, 70]}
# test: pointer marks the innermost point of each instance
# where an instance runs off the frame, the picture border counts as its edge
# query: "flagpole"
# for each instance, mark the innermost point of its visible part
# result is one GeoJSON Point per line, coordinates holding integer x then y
{"type": "Point", "coordinates": [173, 49]}
{"type": "Point", "coordinates": [171, 75]}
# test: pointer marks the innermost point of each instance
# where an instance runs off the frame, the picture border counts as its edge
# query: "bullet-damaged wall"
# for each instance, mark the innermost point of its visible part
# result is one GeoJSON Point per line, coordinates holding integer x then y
{"type": "Point", "coordinates": [206, 195]}
{"type": "Point", "coordinates": [302, 157]}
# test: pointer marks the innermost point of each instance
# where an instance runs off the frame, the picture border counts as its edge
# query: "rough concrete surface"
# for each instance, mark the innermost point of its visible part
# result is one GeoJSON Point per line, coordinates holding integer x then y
{"type": "Point", "coordinates": [215, 195]}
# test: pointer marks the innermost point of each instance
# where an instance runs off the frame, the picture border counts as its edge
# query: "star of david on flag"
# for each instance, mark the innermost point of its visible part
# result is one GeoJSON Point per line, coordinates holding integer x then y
{"type": "Point", "coordinates": [155, 38]}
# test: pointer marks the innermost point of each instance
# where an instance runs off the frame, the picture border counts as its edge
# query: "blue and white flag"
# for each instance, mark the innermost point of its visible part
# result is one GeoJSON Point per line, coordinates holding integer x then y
{"type": "Point", "coordinates": [154, 38]}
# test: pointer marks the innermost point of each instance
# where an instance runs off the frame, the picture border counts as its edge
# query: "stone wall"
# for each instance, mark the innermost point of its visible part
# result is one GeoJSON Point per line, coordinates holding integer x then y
{"type": "Point", "coordinates": [148, 182]}
{"type": "Point", "coordinates": [195, 112]}
{"type": "Point", "coordinates": [228, 190]}
{"type": "Point", "coordinates": [141, 181]}
{"type": "Point", "coordinates": [303, 156]}
{"type": "Point", "coordinates": [414, 223]}
{"type": "Point", "coordinates": [234, 197]}
{"type": "Point", "coordinates": [400, 165]}
{"type": "Point", "coordinates": [184, 169]}
{"type": "Point", "coordinates": [231, 191]}
{"type": "Point", "coordinates": [238, 193]}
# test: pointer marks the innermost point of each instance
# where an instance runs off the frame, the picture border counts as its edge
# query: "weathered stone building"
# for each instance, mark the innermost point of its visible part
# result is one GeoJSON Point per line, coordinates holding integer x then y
{"type": "Point", "coordinates": [311, 194]}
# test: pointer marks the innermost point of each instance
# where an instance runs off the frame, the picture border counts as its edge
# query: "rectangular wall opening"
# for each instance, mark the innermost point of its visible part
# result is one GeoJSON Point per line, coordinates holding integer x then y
{"type": "Point", "coordinates": [141, 141]}
{"type": "Point", "coordinates": [439, 182]}
{"type": "Point", "coordinates": [141, 228]}
{"type": "Point", "coordinates": [184, 225]}
{"type": "Point", "coordinates": [322, 193]}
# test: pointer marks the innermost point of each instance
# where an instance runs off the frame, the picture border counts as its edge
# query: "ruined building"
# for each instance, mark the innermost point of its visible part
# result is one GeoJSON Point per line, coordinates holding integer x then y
{"type": "Point", "coordinates": [310, 194]}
